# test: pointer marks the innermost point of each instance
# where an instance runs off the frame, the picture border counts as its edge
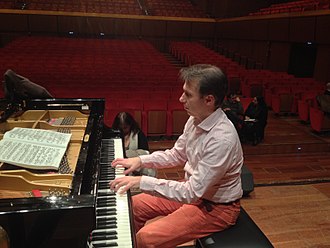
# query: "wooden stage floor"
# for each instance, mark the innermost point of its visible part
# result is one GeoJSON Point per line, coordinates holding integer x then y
{"type": "Point", "coordinates": [291, 170]}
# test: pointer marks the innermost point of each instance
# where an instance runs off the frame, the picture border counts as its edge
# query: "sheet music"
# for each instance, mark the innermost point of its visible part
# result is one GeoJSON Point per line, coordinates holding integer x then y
{"type": "Point", "coordinates": [39, 136]}
{"type": "Point", "coordinates": [33, 148]}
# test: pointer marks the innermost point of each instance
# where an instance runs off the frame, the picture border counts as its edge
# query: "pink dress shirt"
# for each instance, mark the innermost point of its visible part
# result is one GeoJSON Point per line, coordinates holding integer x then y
{"type": "Point", "coordinates": [213, 157]}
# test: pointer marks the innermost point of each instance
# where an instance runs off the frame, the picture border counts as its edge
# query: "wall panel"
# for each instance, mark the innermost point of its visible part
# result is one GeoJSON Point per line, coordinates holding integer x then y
{"type": "Point", "coordinates": [260, 52]}
{"type": "Point", "coordinates": [128, 27]}
{"type": "Point", "coordinates": [256, 30]}
{"type": "Point", "coordinates": [202, 29]}
{"type": "Point", "coordinates": [278, 29]}
{"type": "Point", "coordinates": [322, 33]}
{"type": "Point", "coordinates": [178, 29]}
{"type": "Point", "coordinates": [43, 24]}
{"type": "Point", "coordinates": [279, 56]}
{"type": "Point", "coordinates": [13, 23]}
{"type": "Point", "coordinates": [322, 63]}
{"type": "Point", "coordinates": [153, 28]}
{"type": "Point", "coordinates": [97, 25]}
{"type": "Point", "coordinates": [75, 24]}
{"type": "Point", "coordinates": [302, 29]}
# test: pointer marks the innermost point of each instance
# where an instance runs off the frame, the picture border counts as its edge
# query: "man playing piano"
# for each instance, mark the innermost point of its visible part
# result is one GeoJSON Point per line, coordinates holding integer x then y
{"type": "Point", "coordinates": [207, 200]}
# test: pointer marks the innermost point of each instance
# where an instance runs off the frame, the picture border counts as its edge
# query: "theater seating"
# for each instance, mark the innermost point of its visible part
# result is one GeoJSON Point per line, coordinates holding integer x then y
{"type": "Point", "coordinates": [319, 120]}
{"type": "Point", "coordinates": [245, 234]}
{"type": "Point", "coordinates": [154, 117]}
{"type": "Point", "coordinates": [114, 106]}
{"type": "Point", "coordinates": [176, 117]}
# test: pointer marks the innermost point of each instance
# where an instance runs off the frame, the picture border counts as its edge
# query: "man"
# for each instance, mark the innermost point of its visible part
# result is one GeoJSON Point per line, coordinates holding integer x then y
{"type": "Point", "coordinates": [324, 100]}
{"type": "Point", "coordinates": [208, 199]}
{"type": "Point", "coordinates": [234, 110]}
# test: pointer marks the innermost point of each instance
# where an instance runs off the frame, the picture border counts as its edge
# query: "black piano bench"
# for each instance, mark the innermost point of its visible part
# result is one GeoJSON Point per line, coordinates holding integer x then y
{"type": "Point", "coordinates": [245, 234]}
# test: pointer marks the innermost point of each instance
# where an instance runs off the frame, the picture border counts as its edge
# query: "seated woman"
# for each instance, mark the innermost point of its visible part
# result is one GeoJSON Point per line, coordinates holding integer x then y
{"type": "Point", "coordinates": [256, 116]}
{"type": "Point", "coordinates": [135, 141]}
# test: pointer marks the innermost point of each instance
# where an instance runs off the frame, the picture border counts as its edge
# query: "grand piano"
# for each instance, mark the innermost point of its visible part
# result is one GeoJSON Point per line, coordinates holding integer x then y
{"type": "Point", "coordinates": [71, 207]}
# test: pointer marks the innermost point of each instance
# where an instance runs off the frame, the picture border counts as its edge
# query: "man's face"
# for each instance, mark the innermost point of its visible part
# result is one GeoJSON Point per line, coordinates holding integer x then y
{"type": "Point", "coordinates": [233, 98]}
{"type": "Point", "coordinates": [192, 101]}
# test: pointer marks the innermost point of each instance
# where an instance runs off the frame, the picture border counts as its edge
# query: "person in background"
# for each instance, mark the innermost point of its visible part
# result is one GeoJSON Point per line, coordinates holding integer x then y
{"type": "Point", "coordinates": [208, 199]}
{"type": "Point", "coordinates": [234, 110]}
{"type": "Point", "coordinates": [135, 141]}
{"type": "Point", "coordinates": [256, 116]}
{"type": "Point", "coordinates": [323, 101]}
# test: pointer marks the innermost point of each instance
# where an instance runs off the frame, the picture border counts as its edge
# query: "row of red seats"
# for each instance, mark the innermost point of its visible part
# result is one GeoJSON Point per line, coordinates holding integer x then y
{"type": "Point", "coordinates": [157, 117]}
{"type": "Point", "coordinates": [295, 6]}
{"type": "Point", "coordinates": [310, 113]}
{"type": "Point", "coordinates": [60, 61]}
{"type": "Point", "coordinates": [119, 92]}
{"type": "Point", "coordinates": [115, 6]}
{"type": "Point", "coordinates": [178, 8]}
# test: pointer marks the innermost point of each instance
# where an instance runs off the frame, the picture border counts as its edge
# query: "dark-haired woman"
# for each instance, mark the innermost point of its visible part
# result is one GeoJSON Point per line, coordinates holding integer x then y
{"type": "Point", "coordinates": [256, 116]}
{"type": "Point", "coordinates": [136, 143]}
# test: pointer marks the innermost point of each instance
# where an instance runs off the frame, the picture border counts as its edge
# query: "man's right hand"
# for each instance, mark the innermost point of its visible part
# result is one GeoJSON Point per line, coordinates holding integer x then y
{"type": "Point", "coordinates": [131, 164]}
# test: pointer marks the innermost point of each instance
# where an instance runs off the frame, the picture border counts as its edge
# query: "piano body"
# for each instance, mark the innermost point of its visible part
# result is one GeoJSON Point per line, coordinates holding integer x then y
{"type": "Point", "coordinates": [57, 208]}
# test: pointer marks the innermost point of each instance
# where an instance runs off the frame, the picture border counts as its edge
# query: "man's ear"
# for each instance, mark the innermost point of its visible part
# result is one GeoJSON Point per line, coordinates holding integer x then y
{"type": "Point", "coordinates": [210, 100]}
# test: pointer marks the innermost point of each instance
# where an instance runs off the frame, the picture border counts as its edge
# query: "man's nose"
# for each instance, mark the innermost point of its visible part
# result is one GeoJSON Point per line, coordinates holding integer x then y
{"type": "Point", "coordinates": [181, 99]}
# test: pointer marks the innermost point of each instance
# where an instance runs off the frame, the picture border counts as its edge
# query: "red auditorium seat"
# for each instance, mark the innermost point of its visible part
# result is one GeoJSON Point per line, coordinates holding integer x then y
{"type": "Point", "coordinates": [132, 106]}
{"type": "Point", "coordinates": [307, 100]}
{"type": "Point", "coordinates": [154, 117]}
{"type": "Point", "coordinates": [283, 103]}
{"type": "Point", "coordinates": [319, 120]}
{"type": "Point", "coordinates": [176, 117]}
{"type": "Point", "coordinates": [234, 84]}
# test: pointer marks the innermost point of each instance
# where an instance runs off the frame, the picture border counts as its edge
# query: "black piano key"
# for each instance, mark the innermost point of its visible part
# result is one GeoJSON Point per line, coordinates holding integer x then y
{"type": "Point", "coordinates": [104, 232]}
{"type": "Point", "coordinates": [109, 222]}
{"type": "Point", "coordinates": [106, 202]}
{"type": "Point", "coordinates": [105, 244]}
{"type": "Point", "coordinates": [110, 193]}
{"type": "Point", "coordinates": [102, 212]}
{"type": "Point", "coordinates": [104, 185]}
{"type": "Point", "coordinates": [106, 225]}
{"type": "Point", "coordinates": [104, 237]}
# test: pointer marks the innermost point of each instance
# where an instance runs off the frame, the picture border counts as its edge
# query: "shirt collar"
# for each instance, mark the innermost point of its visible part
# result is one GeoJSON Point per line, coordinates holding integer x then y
{"type": "Point", "coordinates": [208, 123]}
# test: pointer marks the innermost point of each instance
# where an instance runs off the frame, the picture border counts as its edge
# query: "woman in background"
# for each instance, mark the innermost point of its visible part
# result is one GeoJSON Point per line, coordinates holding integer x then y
{"type": "Point", "coordinates": [258, 112]}
{"type": "Point", "coordinates": [135, 141]}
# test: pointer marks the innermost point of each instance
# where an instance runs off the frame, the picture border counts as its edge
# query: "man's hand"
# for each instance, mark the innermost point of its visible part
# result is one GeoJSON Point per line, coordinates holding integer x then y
{"type": "Point", "coordinates": [131, 164]}
{"type": "Point", "coordinates": [122, 184]}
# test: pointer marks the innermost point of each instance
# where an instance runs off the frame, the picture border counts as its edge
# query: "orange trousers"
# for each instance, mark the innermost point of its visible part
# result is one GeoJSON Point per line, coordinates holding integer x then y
{"type": "Point", "coordinates": [181, 222]}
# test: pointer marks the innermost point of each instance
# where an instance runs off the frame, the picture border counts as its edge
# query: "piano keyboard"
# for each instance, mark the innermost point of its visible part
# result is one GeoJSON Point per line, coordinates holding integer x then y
{"type": "Point", "coordinates": [113, 224]}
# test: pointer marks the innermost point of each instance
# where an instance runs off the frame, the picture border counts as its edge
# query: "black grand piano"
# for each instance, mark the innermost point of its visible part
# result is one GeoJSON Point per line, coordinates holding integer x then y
{"type": "Point", "coordinates": [71, 207]}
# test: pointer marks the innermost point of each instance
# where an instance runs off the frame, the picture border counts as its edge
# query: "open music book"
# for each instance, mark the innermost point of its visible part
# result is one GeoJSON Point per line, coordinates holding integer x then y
{"type": "Point", "coordinates": [34, 148]}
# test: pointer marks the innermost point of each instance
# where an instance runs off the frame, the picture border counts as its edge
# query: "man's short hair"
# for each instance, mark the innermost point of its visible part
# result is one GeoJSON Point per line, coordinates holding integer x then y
{"type": "Point", "coordinates": [211, 80]}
